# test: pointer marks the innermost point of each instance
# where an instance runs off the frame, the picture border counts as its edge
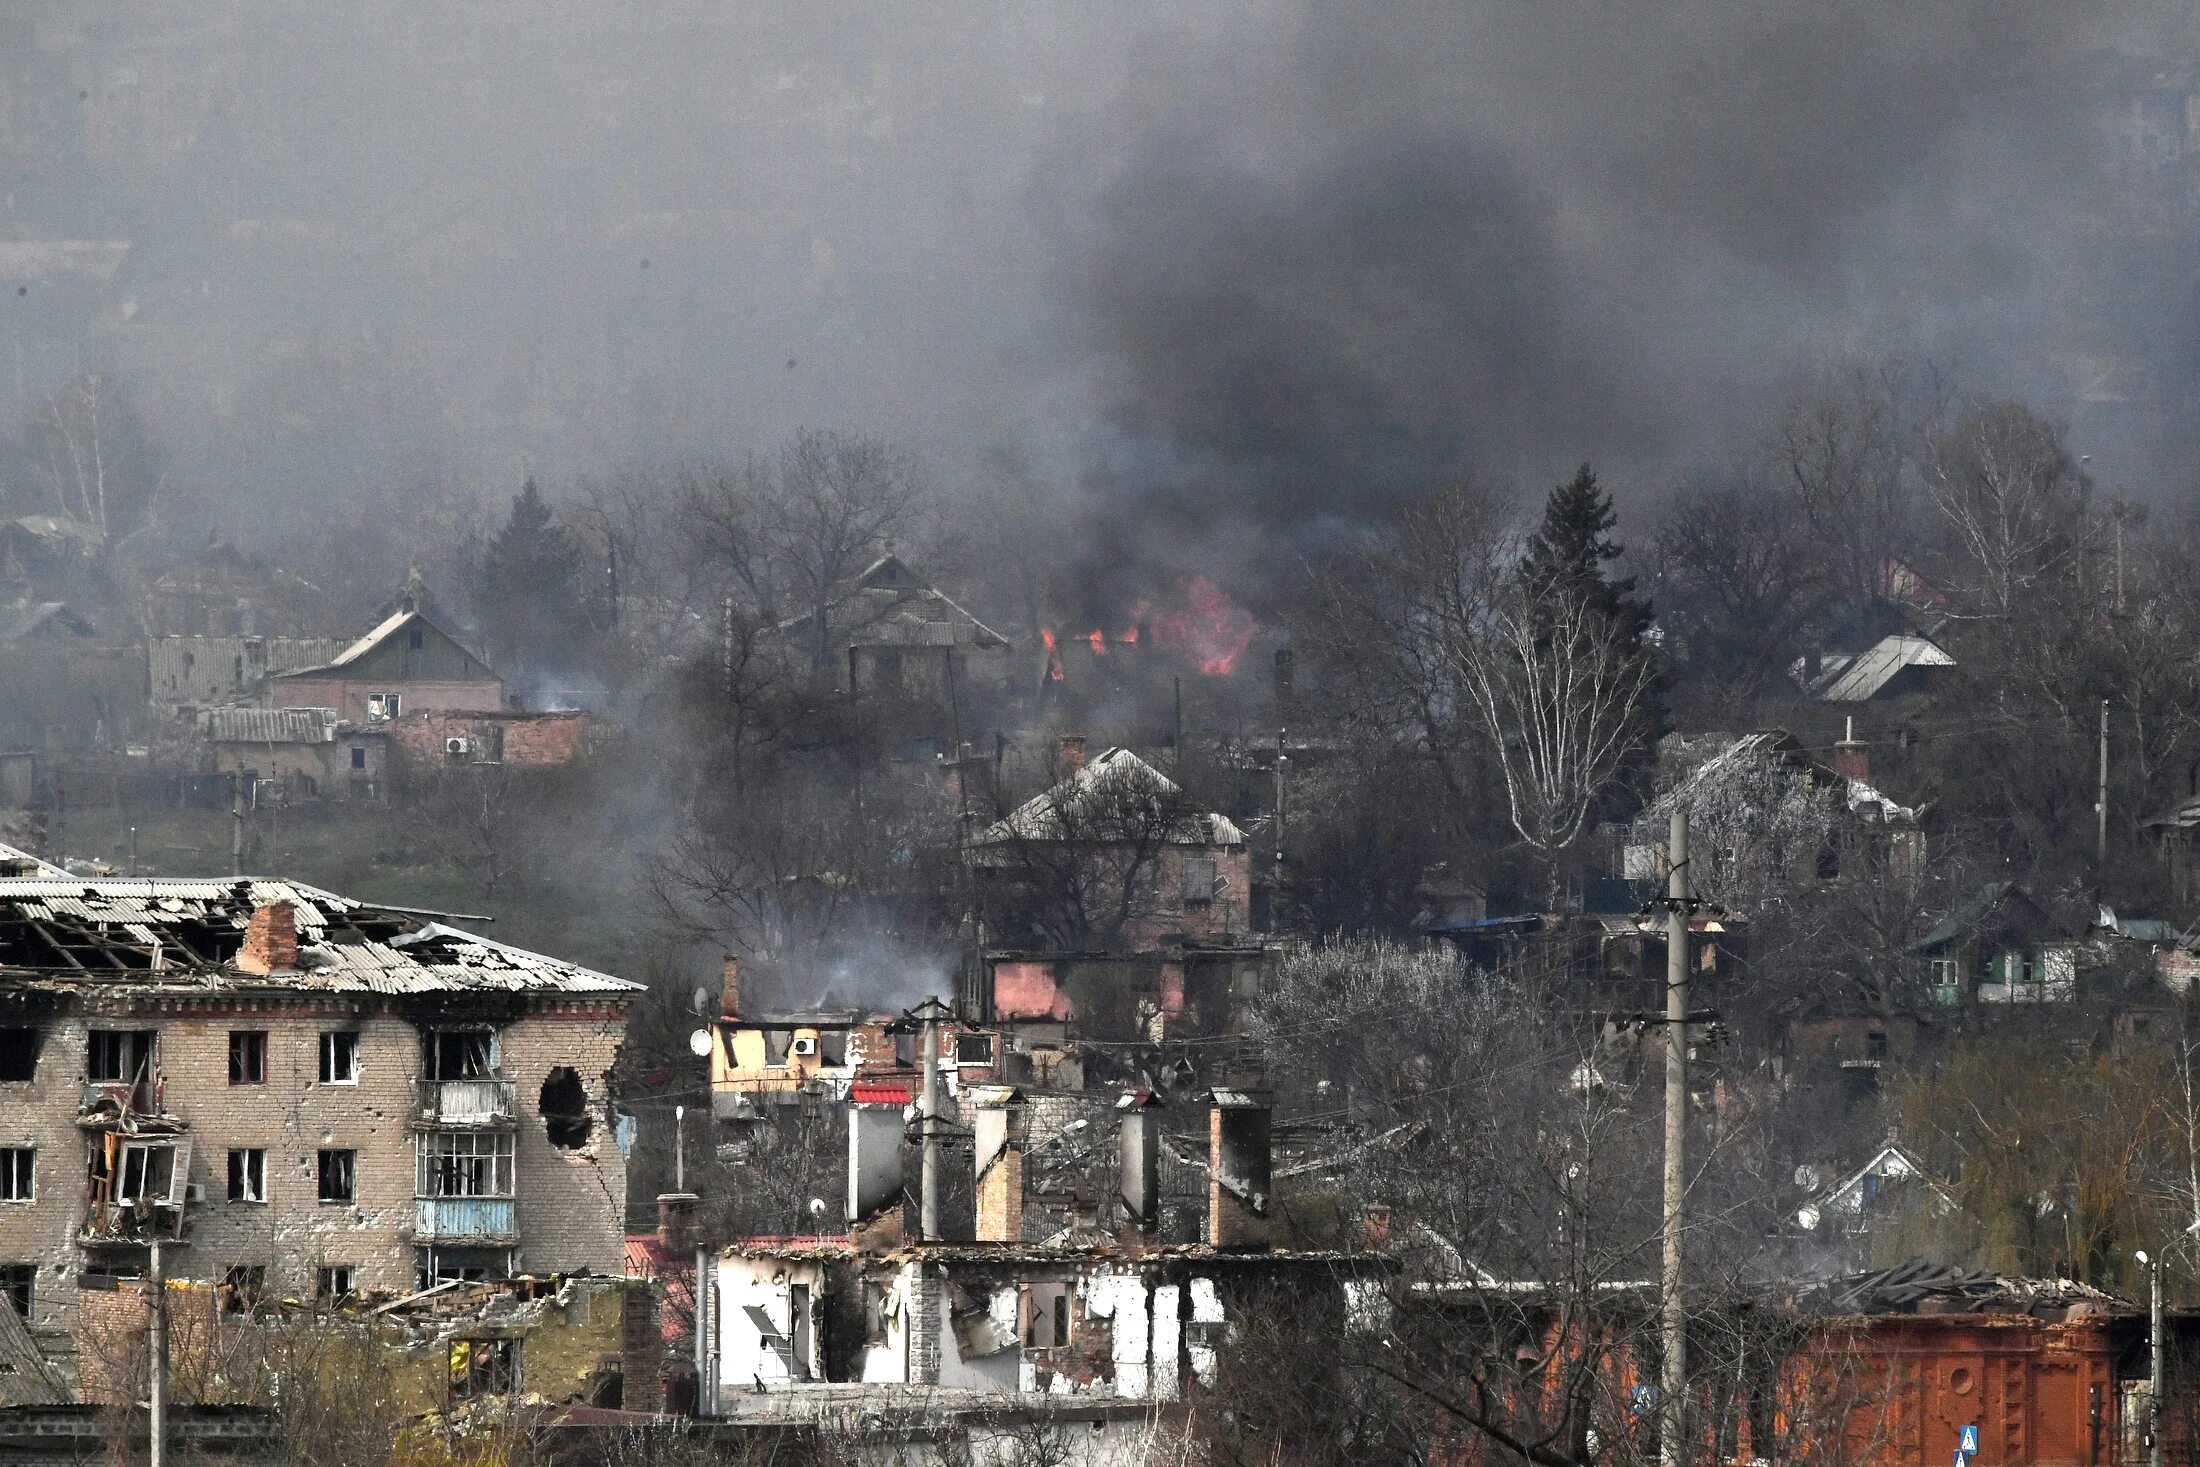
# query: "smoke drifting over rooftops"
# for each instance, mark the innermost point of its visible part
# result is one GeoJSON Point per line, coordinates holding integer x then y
{"type": "Point", "coordinates": [1363, 247]}
{"type": "Point", "coordinates": [1225, 273]}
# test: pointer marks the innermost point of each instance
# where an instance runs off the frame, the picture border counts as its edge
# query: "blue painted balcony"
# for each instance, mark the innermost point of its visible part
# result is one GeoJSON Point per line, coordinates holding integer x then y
{"type": "Point", "coordinates": [465, 1221]}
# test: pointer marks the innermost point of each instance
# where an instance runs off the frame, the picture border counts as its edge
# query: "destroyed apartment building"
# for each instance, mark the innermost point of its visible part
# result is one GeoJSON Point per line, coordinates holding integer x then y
{"type": "Point", "coordinates": [296, 1093]}
{"type": "Point", "coordinates": [1105, 1319]}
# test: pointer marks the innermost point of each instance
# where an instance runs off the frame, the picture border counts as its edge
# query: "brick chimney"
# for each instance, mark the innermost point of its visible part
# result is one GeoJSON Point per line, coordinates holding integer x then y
{"type": "Point", "coordinates": [1138, 1145]}
{"type": "Point", "coordinates": [729, 1002]}
{"type": "Point", "coordinates": [1237, 1169]}
{"type": "Point", "coordinates": [1852, 757]}
{"type": "Point", "coordinates": [270, 940]}
{"type": "Point", "coordinates": [1073, 754]}
{"type": "Point", "coordinates": [676, 1222]}
{"type": "Point", "coordinates": [998, 1131]}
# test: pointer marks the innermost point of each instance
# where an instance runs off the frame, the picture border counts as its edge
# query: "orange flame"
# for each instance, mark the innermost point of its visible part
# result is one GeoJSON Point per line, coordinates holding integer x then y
{"type": "Point", "coordinates": [1098, 641]}
{"type": "Point", "coordinates": [1054, 655]}
{"type": "Point", "coordinates": [1206, 626]}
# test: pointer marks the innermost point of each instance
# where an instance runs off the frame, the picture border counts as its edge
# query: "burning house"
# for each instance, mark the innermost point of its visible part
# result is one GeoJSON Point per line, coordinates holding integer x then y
{"type": "Point", "coordinates": [297, 1093]}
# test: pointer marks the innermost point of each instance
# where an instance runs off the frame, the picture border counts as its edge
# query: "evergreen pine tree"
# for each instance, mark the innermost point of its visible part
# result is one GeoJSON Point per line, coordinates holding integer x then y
{"type": "Point", "coordinates": [529, 590]}
{"type": "Point", "coordinates": [1568, 553]}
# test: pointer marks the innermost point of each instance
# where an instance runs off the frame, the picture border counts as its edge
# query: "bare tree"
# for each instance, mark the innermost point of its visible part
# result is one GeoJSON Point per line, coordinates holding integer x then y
{"type": "Point", "coordinates": [2016, 505]}
{"type": "Point", "coordinates": [788, 531]}
{"type": "Point", "coordinates": [1559, 688]}
{"type": "Point", "coordinates": [90, 458]}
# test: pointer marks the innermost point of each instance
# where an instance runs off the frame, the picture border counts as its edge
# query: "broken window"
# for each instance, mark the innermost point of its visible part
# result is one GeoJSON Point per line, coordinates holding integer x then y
{"type": "Point", "coordinates": [332, 1281]}
{"type": "Point", "coordinates": [247, 1056]}
{"type": "Point", "coordinates": [123, 1056]}
{"type": "Point", "coordinates": [1875, 1045]}
{"type": "Point", "coordinates": [416, 639]}
{"type": "Point", "coordinates": [462, 1054]}
{"type": "Point", "coordinates": [16, 1165]}
{"type": "Point", "coordinates": [832, 1046]}
{"type": "Point", "coordinates": [564, 1104]}
{"type": "Point", "coordinates": [464, 1164]}
{"type": "Point", "coordinates": [484, 1368]}
{"type": "Point", "coordinates": [358, 756]}
{"type": "Point", "coordinates": [18, 1285]}
{"type": "Point", "coordinates": [18, 1054]}
{"type": "Point", "coordinates": [248, 1174]}
{"type": "Point", "coordinates": [1046, 1315]}
{"type": "Point", "coordinates": [148, 1173]}
{"type": "Point", "coordinates": [339, 1169]}
{"type": "Point", "coordinates": [339, 1057]}
{"type": "Point", "coordinates": [243, 1286]}
{"type": "Point", "coordinates": [905, 1048]}
{"type": "Point", "coordinates": [775, 1048]}
{"type": "Point", "coordinates": [1198, 880]}
{"type": "Point", "coordinates": [973, 1049]}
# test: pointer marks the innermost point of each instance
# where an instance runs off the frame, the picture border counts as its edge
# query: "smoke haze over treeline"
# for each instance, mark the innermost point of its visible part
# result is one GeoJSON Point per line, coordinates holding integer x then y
{"type": "Point", "coordinates": [1258, 264]}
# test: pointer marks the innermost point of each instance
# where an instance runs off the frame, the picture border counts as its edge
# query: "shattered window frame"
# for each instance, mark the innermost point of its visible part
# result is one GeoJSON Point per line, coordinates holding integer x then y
{"type": "Point", "coordinates": [337, 1173]}
{"type": "Point", "coordinates": [248, 1175]}
{"type": "Point", "coordinates": [339, 1057]}
{"type": "Point", "coordinates": [248, 1056]}
{"type": "Point", "coordinates": [465, 1164]}
{"type": "Point", "coordinates": [19, 1285]}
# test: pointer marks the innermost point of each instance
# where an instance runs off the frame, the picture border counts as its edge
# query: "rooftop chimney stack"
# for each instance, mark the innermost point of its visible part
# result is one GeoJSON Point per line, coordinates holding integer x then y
{"type": "Point", "coordinates": [1138, 1142]}
{"type": "Point", "coordinates": [1852, 757]}
{"type": "Point", "coordinates": [729, 1002]}
{"type": "Point", "coordinates": [1073, 754]}
{"type": "Point", "coordinates": [676, 1222]}
{"type": "Point", "coordinates": [270, 940]}
{"type": "Point", "coordinates": [998, 1131]}
{"type": "Point", "coordinates": [1238, 1169]}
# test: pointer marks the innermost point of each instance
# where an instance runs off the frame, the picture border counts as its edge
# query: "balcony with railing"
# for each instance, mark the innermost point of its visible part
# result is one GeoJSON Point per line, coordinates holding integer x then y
{"type": "Point", "coordinates": [468, 1103]}
{"type": "Point", "coordinates": [465, 1221]}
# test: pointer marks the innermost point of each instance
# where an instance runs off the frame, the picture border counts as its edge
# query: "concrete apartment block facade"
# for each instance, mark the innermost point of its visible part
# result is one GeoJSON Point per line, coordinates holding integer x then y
{"type": "Point", "coordinates": [404, 1101]}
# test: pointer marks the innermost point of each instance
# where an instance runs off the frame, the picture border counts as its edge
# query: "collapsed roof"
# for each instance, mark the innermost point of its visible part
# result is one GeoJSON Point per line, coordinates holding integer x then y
{"type": "Point", "coordinates": [183, 936]}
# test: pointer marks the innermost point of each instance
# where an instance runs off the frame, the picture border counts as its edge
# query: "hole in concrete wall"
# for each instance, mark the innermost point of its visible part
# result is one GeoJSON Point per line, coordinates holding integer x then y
{"type": "Point", "coordinates": [565, 1108]}
{"type": "Point", "coordinates": [18, 1054]}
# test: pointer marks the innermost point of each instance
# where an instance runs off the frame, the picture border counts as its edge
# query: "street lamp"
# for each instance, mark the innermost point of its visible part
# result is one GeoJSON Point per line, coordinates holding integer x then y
{"type": "Point", "coordinates": [2153, 1266]}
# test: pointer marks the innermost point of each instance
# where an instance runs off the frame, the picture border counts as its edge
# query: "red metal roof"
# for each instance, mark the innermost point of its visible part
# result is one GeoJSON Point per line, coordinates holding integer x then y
{"type": "Point", "coordinates": [862, 1094]}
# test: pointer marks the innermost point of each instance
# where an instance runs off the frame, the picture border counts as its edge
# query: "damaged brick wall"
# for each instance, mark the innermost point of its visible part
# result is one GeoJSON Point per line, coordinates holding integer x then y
{"type": "Point", "coordinates": [570, 1200]}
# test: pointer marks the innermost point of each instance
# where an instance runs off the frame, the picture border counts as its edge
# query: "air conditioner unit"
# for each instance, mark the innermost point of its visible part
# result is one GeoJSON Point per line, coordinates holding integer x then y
{"type": "Point", "coordinates": [804, 1045]}
{"type": "Point", "coordinates": [457, 746]}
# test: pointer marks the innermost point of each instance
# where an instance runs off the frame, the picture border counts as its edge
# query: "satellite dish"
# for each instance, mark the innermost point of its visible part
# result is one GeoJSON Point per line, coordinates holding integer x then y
{"type": "Point", "coordinates": [700, 1003]}
{"type": "Point", "coordinates": [1808, 1218]}
{"type": "Point", "coordinates": [699, 1043]}
{"type": "Point", "coordinates": [1806, 1176]}
{"type": "Point", "coordinates": [817, 1207]}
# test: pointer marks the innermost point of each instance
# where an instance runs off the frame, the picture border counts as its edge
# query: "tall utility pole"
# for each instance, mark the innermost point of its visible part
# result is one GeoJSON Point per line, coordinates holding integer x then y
{"type": "Point", "coordinates": [156, 1365]}
{"type": "Point", "coordinates": [1673, 1368]}
{"type": "Point", "coordinates": [928, 1214]}
{"type": "Point", "coordinates": [2154, 1364]}
{"type": "Point", "coordinates": [2100, 806]}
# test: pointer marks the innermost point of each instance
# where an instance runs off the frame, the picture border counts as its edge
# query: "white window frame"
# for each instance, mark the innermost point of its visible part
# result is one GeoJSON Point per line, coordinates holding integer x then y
{"type": "Point", "coordinates": [328, 1071]}
{"type": "Point", "coordinates": [443, 1161]}
{"type": "Point", "coordinates": [18, 1174]}
{"type": "Point", "coordinates": [253, 1175]}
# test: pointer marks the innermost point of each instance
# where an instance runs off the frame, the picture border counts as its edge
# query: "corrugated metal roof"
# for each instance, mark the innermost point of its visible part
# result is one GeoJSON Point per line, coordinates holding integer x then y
{"type": "Point", "coordinates": [1858, 679]}
{"type": "Point", "coordinates": [1096, 802]}
{"type": "Point", "coordinates": [238, 725]}
{"type": "Point", "coordinates": [159, 929]}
